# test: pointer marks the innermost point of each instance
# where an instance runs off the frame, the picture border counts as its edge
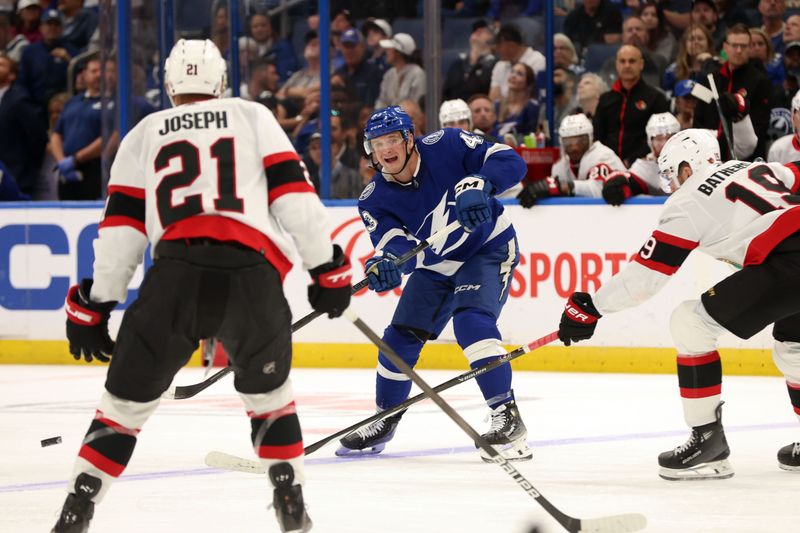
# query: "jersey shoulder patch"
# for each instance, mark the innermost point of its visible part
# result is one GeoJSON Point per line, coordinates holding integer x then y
{"type": "Point", "coordinates": [367, 191]}
{"type": "Point", "coordinates": [433, 138]}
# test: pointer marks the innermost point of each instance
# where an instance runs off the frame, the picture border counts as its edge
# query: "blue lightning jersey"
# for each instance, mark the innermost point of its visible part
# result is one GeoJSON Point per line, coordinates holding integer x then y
{"type": "Point", "coordinates": [397, 216]}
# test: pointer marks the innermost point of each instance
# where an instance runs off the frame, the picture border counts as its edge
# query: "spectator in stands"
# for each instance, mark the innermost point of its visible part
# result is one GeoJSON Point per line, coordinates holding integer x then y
{"type": "Point", "coordinates": [79, 23]}
{"type": "Point", "coordinates": [271, 46]}
{"type": "Point", "coordinates": [791, 30]}
{"type": "Point", "coordinates": [594, 21]}
{"type": "Point", "coordinates": [264, 77]}
{"type": "Point", "coordinates": [564, 102]}
{"type": "Point", "coordinates": [22, 129]}
{"type": "Point", "coordinates": [565, 55]}
{"type": "Point", "coordinates": [312, 159]}
{"type": "Point", "coordinates": [47, 183]}
{"type": "Point", "coordinates": [706, 13]}
{"type": "Point", "coordinates": [341, 21]}
{"type": "Point", "coordinates": [484, 116]}
{"type": "Point", "coordinates": [345, 180]}
{"type": "Point", "coordinates": [43, 70]}
{"type": "Point", "coordinates": [471, 72]}
{"type": "Point", "coordinates": [406, 79]}
{"type": "Point", "coordinates": [744, 89]}
{"type": "Point", "coordinates": [510, 50]}
{"type": "Point", "coordinates": [509, 9]}
{"type": "Point", "coordinates": [622, 112]}
{"type": "Point", "coordinates": [29, 14]}
{"type": "Point", "coordinates": [694, 47]}
{"type": "Point", "coordinates": [220, 32]}
{"type": "Point", "coordinates": [590, 87]}
{"type": "Point", "coordinates": [635, 33]}
{"type": "Point", "coordinates": [772, 12]}
{"type": "Point", "coordinates": [306, 80]}
{"type": "Point", "coordinates": [761, 51]}
{"type": "Point", "coordinates": [518, 111]}
{"type": "Point", "coordinates": [76, 141]}
{"type": "Point", "coordinates": [374, 31]}
{"type": "Point", "coordinates": [413, 109]}
{"type": "Point", "coordinates": [661, 41]}
{"type": "Point", "coordinates": [732, 12]}
{"type": "Point", "coordinates": [11, 45]}
{"type": "Point", "coordinates": [362, 76]}
{"type": "Point", "coordinates": [684, 103]}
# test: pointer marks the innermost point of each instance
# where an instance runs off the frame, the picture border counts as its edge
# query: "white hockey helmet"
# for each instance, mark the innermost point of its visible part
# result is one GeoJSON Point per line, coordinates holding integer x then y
{"type": "Point", "coordinates": [661, 124]}
{"type": "Point", "coordinates": [796, 102]}
{"type": "Point", "coordinates": [696, 147]}
{"type": "Point", "coordinates": [452, 111]}
{"type": "Point", "coordinates": [195, 67]}
{"type": "Point", "coordinates": [575, 125]}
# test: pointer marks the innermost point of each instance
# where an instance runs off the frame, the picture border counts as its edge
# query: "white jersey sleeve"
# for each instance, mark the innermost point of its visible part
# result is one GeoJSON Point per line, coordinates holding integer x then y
{"type": "Point", "coordinates": [596, 164]}
{"type": "Point", "coordinates": [645, 169]}
{"type": "Point", "coordinates": [221, 169]}
{"type": "Point", "coordinates": [736, 212]}
{"type": "Point", "coordinates": [784, 150]}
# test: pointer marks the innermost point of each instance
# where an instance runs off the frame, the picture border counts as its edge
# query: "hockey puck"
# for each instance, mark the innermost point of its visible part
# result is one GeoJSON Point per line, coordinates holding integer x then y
{"type": "Point", "coordinates": [51, 441]}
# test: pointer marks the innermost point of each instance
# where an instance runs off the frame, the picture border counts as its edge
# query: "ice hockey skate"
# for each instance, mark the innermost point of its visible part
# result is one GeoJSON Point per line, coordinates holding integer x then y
{"type": "Point", "coordinates": [78, 509]}
{"type": "Point", "coordinates": [703, 456]}
{"type": "Point", "coordinates": [371, 439]}
{"type": "Point", "coordinates": [508, 434]}
{"type": "Point", "coordinates": [789, 457]}
{"type": "Point", "coordinates": [288, 501]}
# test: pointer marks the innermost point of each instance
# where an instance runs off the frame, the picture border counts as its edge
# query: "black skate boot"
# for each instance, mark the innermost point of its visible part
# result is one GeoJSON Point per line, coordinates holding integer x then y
{"type": "Point", "coordinates": [371, 439]}
{"type": "Point", "coordinates": [703, 456]}
{"type": "Point", "coordinates": [789, 457]}
{"type": "Point", "coordinates": [508, 434]}
{"type": "Point", "coordinates": [288, 500]}
{"type": "Point", "coordinates": [78, 510]}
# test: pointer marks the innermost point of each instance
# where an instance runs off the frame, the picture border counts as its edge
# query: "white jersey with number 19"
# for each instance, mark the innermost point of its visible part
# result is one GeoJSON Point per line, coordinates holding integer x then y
{"type": "Point", "coordinates": [221, 169]}
{"type": "Point", "coordinates": [736, 212]}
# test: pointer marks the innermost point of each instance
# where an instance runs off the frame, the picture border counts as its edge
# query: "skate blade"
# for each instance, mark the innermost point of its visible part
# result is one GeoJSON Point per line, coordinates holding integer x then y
{"type": "Point", "coordinates": [518, 451]}
{"type": "Point", "coordinates": [713, 470]}
{"type": "Point", "coordinates": [789, 468]}
{"type": "Point", "coordinates": [342, 451]}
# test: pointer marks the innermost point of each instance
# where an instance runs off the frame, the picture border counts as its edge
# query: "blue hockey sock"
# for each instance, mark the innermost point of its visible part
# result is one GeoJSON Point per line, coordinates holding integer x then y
{"type": "Point", "coordinates": [392, 386]}
{"type": "Point", "coordinates": [477, 334]}
{"type": "Point", "coordinates": [496, 384]}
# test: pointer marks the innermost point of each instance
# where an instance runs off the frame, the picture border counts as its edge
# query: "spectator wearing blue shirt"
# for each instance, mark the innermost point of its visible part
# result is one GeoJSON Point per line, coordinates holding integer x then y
{"type": "Point", "coordinates": [76, 141]}
{"type": "Point", "coordinates": [278, 50]}
{"type": "Point", "coordinates": [22, 129]}
{"type": "Point", "coordinates": [43, 69]}
{"type": "Point", "coordinates": [518, 112]}
{"type": "Point", "coordinates": [364, 77]}
{"type": "Point", "coordinates": [79, 23]}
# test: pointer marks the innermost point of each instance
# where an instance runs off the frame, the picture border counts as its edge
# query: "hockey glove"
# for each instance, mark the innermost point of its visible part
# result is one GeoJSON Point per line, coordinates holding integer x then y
{"type": "Point", "coordinates": [382, 272]}
{"type": "Point", "coordinates": [734, 106]}
{"type": "Point", "coordinates": [331, 289]}
{"type": "Point", "coordinates": [87, 324]}
{"type": "Point", "coordinates": [473, 206]}
{"type": "Point", "coordinates": [578, 319]}
{"type": "Point", "coordinates": [537, 189]}
{"type": "Point", "coordinates": [619, 186]}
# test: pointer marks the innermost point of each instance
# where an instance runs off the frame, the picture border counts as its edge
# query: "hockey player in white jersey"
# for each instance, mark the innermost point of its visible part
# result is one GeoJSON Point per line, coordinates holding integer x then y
{"type": "Point", "coordinates": [787, 148]}
{"type": "Point", "coordinates": [455, 114]}
{"type": "Point", "coordinates": [745, 214]}
{"type": "Point", "coordinates": [643, 176]}
{"type": "Point", "coordinates": [208, 184]}
{"type": "Point", "coordinates": [582, 169]}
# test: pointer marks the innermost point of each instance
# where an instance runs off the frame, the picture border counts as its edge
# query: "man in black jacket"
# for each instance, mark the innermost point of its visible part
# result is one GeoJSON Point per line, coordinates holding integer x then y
{"type": "Point", "coordinates": [622, 113]}
{"type": "Point", "coordinates": [743, 88]}
{"type": "Point", "coordinates": [23, 135]}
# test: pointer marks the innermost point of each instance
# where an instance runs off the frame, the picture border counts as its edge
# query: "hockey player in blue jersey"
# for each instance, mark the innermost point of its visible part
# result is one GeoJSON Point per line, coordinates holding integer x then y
{"type": "Point", "coordinates": [422, 185]}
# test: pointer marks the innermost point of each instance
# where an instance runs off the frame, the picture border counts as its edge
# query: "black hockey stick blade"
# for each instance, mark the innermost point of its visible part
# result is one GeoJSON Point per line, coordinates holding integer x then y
{"type": "Point", "coordinates": [181, 392]}
{"type": "Point", "coordinates": [461, 378]}
{"type": "Point", "coordinates": [611, 524]}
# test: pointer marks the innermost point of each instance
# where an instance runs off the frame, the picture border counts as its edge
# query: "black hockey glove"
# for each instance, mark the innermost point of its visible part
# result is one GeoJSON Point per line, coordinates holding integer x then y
{"type": "Point", "coordinates": [87, 324]}
{"type": "Point", "coordinates": [537, 189]}
{"type": "Point", "coordinates": [330, 292]}
{"type": "Point", "coordinates": [734, 105]}
{"type": "Point", "coordinates": [578, 319]}
{"type": "Point", "coordinates": [619, 186]}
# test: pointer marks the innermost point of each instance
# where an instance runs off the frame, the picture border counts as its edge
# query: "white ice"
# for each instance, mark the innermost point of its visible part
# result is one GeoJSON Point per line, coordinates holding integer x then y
{"type": "Point", "coordinates": [595, 440]}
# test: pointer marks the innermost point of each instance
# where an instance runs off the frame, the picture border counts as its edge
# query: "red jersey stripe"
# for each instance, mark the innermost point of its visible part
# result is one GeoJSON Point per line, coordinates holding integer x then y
{"type": "Point", "coordinates": [289, 451]}
{"type": "Point", "coordinates": [761, 245]}
{"type": "Point", "coordinates": [675, 241]}
{"type": "Point", "coordinates": [697, 360]}
{"type": "Point", "coordinates": [101, 462]}
{"type": "Point", "coordinates": [294, 186]}
{"type": "Point", "coordinates": [280, 157]}
{"type": "Point", "coordinates": [135, 192]}
{"type": "Point", "coordinates": [704, 392]}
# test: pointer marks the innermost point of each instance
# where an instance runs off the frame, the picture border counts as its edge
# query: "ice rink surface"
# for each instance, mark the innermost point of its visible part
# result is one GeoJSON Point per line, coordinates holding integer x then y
{"type": "Point", "coordinates": [595, 440]}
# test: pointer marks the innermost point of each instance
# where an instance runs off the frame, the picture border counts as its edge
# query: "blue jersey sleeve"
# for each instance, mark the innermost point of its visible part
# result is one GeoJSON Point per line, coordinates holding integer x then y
{"type": "Point", "coordinates": [498, 162]}
{"type": "Point", "coordinates": [387, 233]}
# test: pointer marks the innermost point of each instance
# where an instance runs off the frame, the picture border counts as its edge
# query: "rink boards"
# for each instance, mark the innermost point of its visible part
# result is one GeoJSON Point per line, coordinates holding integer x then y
{"type": "Point", "coordinates": [46, 247]}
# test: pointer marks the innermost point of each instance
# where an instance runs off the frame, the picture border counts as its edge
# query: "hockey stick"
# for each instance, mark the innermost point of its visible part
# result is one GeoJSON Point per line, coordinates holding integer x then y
{"type": "Point", "coordinates": [224, 460]}
{"type": "Point", "coordinates": [609, 524]}
{"type": "Point", "coordinates": [725, 130]}
{"type": "Point", "coordinates": [187, 391]}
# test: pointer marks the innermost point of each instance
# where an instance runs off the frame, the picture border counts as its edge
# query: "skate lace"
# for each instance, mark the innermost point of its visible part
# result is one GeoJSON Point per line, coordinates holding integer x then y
{"type": "Point", "coordinates": [371, 430]}
{"type": "Point", "coordinates": [498, 420]}
{"type": "Point", "coordinates": [796, 449]}
{"type": "Point", "coordinates": [686, 445]}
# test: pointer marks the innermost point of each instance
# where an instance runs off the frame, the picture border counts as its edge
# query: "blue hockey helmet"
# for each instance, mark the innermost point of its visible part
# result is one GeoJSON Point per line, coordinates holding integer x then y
{"type": "Point", "coordinates": [387, 120]}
